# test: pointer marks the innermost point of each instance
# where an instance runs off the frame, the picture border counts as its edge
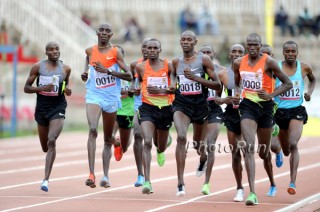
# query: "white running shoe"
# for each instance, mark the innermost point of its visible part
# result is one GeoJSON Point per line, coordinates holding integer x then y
{"type": "Point", "coordinates": [181, 191]}
{"type": "Point", "coordinates": [239, 196]}
{"type": "Point", "coordinates": [45, 186]}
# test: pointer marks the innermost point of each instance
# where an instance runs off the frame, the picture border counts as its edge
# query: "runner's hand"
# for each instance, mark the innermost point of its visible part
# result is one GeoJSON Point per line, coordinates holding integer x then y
{"type": "Point", "coordinates": [100, 68]}
{"type": "Point", "coordinates": [67, 91]}
{"type": "Point", "coordinates": [307, 97]}
{"type": "Point", "coordinates": [47, 88]}
{"type": "Point", "coordinates": [263, 95]}
{"type": "Point", "coordinates": [84, 76]}
{"type": "Point", "coordinates": [188, 73]}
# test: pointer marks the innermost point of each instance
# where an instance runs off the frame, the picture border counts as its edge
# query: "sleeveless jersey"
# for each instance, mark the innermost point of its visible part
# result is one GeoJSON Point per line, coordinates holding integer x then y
{"type": "Point", "coordinates": [103, 85]}
{"type": "Point", "coordinates": [293, 97]}
{"type": "Point", "coordinates": [56, 77]}
{"type": "Point", "coordinates": [254, 78]}
{"type": "Point", "coordinates": [211, 92]}
{"type": "Point", "coordinates": [159, 79]}
{"type": "Point", "coordinates": [126, 101]}
{"type": "Point", "coordinates": [229, 90]}
{"type": "Point", "coordinates": [137, 99]}
{"type": "Point", "coordinates": [189, 91]}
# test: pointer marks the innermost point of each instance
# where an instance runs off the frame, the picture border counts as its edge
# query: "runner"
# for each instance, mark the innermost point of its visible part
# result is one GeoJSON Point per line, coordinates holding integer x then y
{"type": "Point", "coordinates": [138, 145]}
{"type": "Point", "coordinates": [291, 115]}
{"type": "Point", "coordinates": [231, 117]}
{"type": "Point", "coordinates": [102, 77]}
{"type": "Point", "coordinates": [255, 70]}
{"type": "Point", "coordinates": [155, 113]}
{"type": "Point", "coordinates": [213, 126]}
{"type": "Point", "coordinates": [124, 121]}
{"type": "Point", "coordinates": [190, 104]}
{"type": "Point", "coordinates": [275, 145]}
{"type": "Point", "coordinates": [52, 80]}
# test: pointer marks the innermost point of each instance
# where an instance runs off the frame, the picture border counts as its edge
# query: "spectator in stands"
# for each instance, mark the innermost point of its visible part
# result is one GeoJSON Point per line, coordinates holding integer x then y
{"type": "Point", "coordinates": [188, 20]}
{"type": "Point", "coordinates": [29, 50]}
{"type": "Point", "coordinates": [316, 25]}
{"type": "Point", "coordinates": [3, 34]}
{"type": "Point", "coordinates": [305, 21]}
{"type": "Point", "coordinates": [86, 19]}
{"type": "Point", "coordinates": [207, 22]}
{"type": "Point", "coordinates": [132, 29]}
{"type": "Point", "coordinates": [223, 53]}
{"type": "Point", "coordinates": [282, 20]}
{"type": "Point", "coordinates": [14, 36]}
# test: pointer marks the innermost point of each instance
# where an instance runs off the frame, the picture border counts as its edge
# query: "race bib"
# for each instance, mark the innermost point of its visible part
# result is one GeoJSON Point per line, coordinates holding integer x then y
{"type": "Point", "coordinates": [159, 82]}
{"type": "Point", "coordinates": [251, 81]}
{"type": "Point", "coordinates": [294, 93]}
{"type": "Point", "coordinates": [211, 94]}
{"type": "Point", "coordinates": [103, 80]}
{"type": "Point", "coordinates": [46, 80]}
{"type": "Point", "coordinates": [189, 87]}
{"type": "Point", "coordinates": [125, 85]}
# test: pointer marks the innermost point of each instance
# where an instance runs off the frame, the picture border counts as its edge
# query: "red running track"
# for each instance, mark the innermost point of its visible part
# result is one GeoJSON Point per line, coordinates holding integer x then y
{"type": "Point", "coordinates": [22, 170]}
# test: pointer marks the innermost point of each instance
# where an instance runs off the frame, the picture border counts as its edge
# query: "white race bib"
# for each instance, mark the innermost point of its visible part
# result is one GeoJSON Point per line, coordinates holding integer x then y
{"type": "Point", "coordinates": [103, 80]}
{"type": "Point", "coordinates": [251, 81]}
{"type": "Point", "coordinates": [189, 87]}
{"type": "Point", "coordinates": [159, 82]}
{"type": "Point", "coordinates": [294, 93]}
{"type": "Point", "coordinates": [211, 94]}
{"type": "Point", "coordinates": [46, 80]}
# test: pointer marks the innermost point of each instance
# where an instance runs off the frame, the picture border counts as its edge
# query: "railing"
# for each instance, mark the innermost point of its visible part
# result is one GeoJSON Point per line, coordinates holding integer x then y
{"type": "Point", "coordinates": [47, 20]}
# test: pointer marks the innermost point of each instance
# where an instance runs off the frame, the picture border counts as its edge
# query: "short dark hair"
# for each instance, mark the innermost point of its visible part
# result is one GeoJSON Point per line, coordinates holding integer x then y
{"type": "Point", "coordinates": [154, 39]}
{"type": "Point", "coordinates": [289, 42]}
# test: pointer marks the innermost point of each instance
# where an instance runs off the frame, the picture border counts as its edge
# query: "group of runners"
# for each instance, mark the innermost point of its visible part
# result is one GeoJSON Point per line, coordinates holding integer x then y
{"type": "Point", "coordinates": [143, 99]}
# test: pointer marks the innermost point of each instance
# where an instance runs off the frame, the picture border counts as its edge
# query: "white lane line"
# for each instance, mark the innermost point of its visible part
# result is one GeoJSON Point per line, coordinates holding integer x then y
{"type": "Point", "coordinates": [37, 149]}
{"type": "Point", "coordinates": [230, 189]}
{"type": "Point", "coordinates": [108, 190]}
{"type": "Point", "coordinates": [127, 157]}
{"type": "Point", "coordinates": [127, 168]}
{"type": "Point", "coordinates": [161, 180]}
{"type": "Point", "coordinates": [40, 158]}
{"type": "Point", "coordinates": [301, 203]}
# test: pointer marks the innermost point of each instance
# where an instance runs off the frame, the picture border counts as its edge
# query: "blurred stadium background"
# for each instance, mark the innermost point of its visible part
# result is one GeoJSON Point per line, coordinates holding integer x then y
{"type": "Point", "coordinates": [26, 27]}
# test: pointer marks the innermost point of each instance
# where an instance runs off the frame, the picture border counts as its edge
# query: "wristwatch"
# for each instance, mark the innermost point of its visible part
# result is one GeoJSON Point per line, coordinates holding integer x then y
{"type": "Point", "coordinates": [110, 70]}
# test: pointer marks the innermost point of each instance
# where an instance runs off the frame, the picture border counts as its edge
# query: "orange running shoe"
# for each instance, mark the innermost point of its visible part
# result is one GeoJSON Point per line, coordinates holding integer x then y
{"type": "Point", "coordinates": [118, 150]}
{"type": "Point", "coordinates": [91, 181]}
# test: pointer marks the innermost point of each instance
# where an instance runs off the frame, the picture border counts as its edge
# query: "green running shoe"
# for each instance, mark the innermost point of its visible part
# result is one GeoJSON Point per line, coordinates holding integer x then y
{"type": "Point", "coordinates": [161, 158]}
{"type": "Point", "coordinates": [147, 188]}
{"type": "Point", "coordinates": [276, 130]}
{"type": "Point", "coordinates": [252, 199]}
{"type": "Point", "coordinates": [205, 189]}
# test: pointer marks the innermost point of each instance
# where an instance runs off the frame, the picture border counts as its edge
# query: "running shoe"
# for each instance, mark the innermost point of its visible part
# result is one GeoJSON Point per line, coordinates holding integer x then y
{"type": "Point", "coordinates": [181, 191]}
{"type": "Point", "coordinates": [147, 188]}
{"type": "Point", "coordinates": [239, 196]}
{"type": "Point", "coordinates": [105, 182]}
{"type": "Point", "coordinates": [169, 142]}
{"type": "Point", "coordinates": [205, 189]}
{"type": "Point", "coordinates": [292, 189]}
{"type": "Point", "coordinates": [276, 130]}
{"type": "Point", "coordinates": [279, 159]}
{"type": "Point", "coordinates": [118, 152]}
{"type": "Point", "coordinates": [161, 158]}
{"type": "Point", "coordinates": [45, 186]}
{"type": "Point", "coordinates": [202, 167]}
{"type": "Point", "coordinates": [272, 191]}
{"type": "Point", "coordinates": [252, 199]}
{"type": "Point", "coordinates": [91, 181]}
{"type": "Point", "coordinates": [139, 181]}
